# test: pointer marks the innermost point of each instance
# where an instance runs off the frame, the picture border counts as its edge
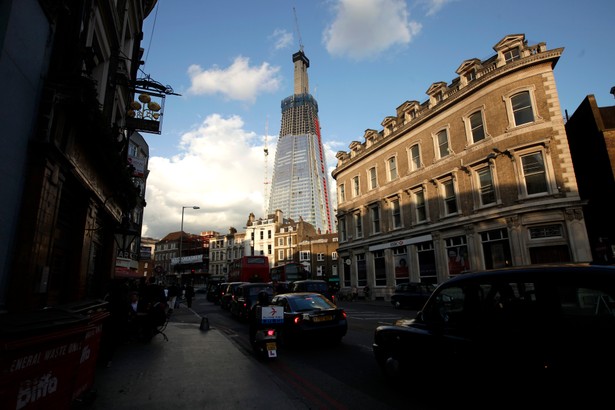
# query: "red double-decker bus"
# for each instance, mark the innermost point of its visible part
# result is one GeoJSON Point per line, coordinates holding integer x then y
{"type": "Point", "coordinates": [289, 272]}
{"type": "Point", "coordinates": [250, 269]}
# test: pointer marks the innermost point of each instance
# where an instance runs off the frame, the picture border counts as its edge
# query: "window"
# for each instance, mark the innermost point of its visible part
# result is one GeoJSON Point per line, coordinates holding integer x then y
{"type": "Point", "coordinates": [487, 189]}
{"type": "Point", "coordinates": [269, 250]}
{"type": "Point", "coordinates": [304, 255]}
{"type": "Point", "coordinates": [358, 225]}
{"type": "Point", "coordinates": [471, 76]}
{"type": "Point", "coordinates": [320, 257]}
{"type": "Point", "coordinates": [342, 193]}
{"type": "Point", "coordinates": [534, 173]}
{"type": "Point", "coordinates": [281, 254]}
{"type": "Point", "coordinates": [392, 168]}
{"type": "Point", "coordinates": [374, 212]}
{"type": "Point", "coordinates": [522, 108]}
{"type": "Point", "coordinates": [333, 256]}
{"type": "Point", "coordinates": [380, 273]}
{"type": "Point", "coordinates": [442, 140]}
{"type": "Point", "coordinates": [427, 262]}
{"type": "Point", "coordinates": [415, 157]}
{"type": "Point", "coordinates": [546, 231]}
{"type": "Point", "coordinates": [458, 256]}
{"type": "Point", "coordinates": [476, 127]}
{"type": "Point", "coordinates": [280, 241]}
{"type": "Point", "coordinates": [512, 55]}
{"type": "Point", "coordinates": [268, 233]}
{"type": "Point", "coordinates": [341, 225]}
{"type": "Point", "coordinates": [373, 182]}
{"type": "Point", "coordinates": [496, 248]}
{"type": "Point", "coordinates": [262, 235]}
{"type": "Point", "coordinates": [419, 205]}
{"type": "Point", "coordinates": [355, 186]}
{"type": "Point", "coordinates": [396, 213]}
{"type": "Point", "coordinates": [450, 199]}
{"type": "Point", "coordinates": [361, 270]}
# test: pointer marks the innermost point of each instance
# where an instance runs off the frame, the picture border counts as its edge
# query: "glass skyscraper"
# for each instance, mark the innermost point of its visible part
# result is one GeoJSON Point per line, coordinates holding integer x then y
{"type": "Point", "coordinates": [300, 186]}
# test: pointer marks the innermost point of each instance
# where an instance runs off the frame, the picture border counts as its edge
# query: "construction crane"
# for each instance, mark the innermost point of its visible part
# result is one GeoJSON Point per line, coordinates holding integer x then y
{"type": "Point", "coordinates": [298, 32]}
{"type": "Point", "coordinates": [266, 182]}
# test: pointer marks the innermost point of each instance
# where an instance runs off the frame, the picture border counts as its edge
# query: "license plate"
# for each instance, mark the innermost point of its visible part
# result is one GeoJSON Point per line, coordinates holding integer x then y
{"type": "Point", "coordinates": [322, 318]}
{"type": "Point", "coordinates": [271, 350]}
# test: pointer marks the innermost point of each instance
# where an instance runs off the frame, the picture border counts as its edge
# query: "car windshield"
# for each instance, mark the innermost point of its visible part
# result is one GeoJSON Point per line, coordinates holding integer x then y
{"type": "Point", "coordinates": [256, 289]}
{"type": "Point", "coordinates": [310, 302]}
{"type": "Point", "coordinates": [316, 287]}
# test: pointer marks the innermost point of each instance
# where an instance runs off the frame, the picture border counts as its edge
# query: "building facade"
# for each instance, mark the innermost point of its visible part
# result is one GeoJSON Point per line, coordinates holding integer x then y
{"type": "Point", "coordinates": [299, 185]}
{"type": "Point", "coordinates": [591, 135]}
{"type": "Point", "coordinates": [478, 176]}
{"type": "Point", "coordinates": [282, 240]}
{"type": "Point", "coordinates": [67, 189]}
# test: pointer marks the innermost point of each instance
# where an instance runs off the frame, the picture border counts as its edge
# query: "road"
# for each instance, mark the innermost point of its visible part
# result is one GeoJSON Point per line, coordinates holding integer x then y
{"type": "Point", "coordinates": [335, 377]}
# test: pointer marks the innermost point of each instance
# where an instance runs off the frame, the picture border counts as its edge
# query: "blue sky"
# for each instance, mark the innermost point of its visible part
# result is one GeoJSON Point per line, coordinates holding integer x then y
{"type": "Point", "coordinates": [231, 61]}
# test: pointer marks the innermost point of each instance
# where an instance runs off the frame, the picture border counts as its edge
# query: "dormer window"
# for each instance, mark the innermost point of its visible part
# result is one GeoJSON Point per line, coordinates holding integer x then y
{"type": "Point", "coordinates": [512, 55]}
{"type": "Point", "coordinates": [471, 76]}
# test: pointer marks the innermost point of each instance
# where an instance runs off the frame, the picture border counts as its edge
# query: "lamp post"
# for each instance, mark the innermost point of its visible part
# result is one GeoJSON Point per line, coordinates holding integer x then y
{"type": "Point", "coordinates": [181, 234]}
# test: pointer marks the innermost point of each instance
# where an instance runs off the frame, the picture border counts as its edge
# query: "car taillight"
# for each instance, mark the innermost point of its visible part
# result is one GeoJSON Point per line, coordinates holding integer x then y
{"type": "Point", "coordinates": [344, 315]}
{"type": "Point", "coordinates": [297, 319]}
{"type": "Point", "coordinates": [270, 332]}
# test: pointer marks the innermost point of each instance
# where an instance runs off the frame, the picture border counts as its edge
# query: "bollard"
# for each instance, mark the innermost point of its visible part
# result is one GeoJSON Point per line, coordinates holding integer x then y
{"type": "Point", "coordinates": [204, 323]}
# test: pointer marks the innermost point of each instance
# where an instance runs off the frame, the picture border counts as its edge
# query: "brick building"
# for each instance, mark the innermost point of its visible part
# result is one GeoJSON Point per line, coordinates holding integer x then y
{"type": "Point", "coordinates": [478, 176]}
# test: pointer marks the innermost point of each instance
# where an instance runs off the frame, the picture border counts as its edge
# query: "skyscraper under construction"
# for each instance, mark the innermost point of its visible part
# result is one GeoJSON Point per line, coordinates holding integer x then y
{"type": "Point", "coordinates": [300, 186]}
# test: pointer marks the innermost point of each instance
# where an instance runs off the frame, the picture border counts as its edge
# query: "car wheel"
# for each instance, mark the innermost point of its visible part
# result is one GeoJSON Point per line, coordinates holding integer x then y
{"type": "Point", "coordinates": [391, 368]}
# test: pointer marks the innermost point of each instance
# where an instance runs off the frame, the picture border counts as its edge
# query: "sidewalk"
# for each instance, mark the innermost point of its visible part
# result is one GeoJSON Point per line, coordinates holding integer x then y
{"type": "Point", "coordinates": [194, 369]}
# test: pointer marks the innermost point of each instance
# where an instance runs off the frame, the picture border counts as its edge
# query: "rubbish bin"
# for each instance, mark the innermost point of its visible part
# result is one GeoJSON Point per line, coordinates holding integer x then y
{"type": "Point", "coordinates": [39, 358]}
{"type": "Point", "coordinates": [96, 312]}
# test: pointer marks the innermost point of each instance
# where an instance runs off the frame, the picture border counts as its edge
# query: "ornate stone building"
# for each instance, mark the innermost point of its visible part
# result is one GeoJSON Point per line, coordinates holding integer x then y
{"type": "Point", "coordinates": [478, 176]}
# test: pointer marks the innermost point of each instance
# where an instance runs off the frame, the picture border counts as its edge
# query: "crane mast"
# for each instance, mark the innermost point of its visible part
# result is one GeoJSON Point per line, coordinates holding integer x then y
{"type": "Point", "coordinates": [298, 32]}
{"type": "Point", "coordinates": [266, 181]}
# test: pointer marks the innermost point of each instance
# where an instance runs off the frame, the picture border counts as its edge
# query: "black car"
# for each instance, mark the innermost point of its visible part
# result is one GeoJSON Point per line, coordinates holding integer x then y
{"type": "Point", "coordinates": [312, 285]}
{"type": "Point", "coordinates": [411, 295]}
{"type": "Point", "coordinates": [534, 321]}
{"type": "Point", "coordinates": [226, 293]}
{"type": "Point", "coordinates": [245, 296]}
{"type": "Point", "coordinates": [310, 317]}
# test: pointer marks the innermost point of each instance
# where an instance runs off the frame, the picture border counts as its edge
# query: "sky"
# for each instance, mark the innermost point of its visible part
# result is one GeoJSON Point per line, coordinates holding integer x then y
{"type": "Point", "coordinates": [231, 64]}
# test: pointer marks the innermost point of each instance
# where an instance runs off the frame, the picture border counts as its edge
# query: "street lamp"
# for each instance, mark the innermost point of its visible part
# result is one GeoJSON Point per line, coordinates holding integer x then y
{"type": "Point", "coordinates": [181, 234]}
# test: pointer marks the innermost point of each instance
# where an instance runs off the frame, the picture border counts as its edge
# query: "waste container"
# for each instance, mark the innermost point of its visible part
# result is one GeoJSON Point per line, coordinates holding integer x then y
{"type": "Point", "coordinates": [39, 358]}
{"type": "Point", "coordinates": [96, 312]}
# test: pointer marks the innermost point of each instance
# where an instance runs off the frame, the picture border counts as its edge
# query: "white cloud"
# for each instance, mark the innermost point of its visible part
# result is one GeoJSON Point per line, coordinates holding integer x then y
{"type": "Point", "coordinates": [365, 28]}
{"type": "Point", "coordinates": [239, 81]}
{"type": "Point", "coordinates": [434, 6]}
{"type": "Point", "coordinates": [219, 169]}
{"type": "Point", "coordinates": [282, 38]}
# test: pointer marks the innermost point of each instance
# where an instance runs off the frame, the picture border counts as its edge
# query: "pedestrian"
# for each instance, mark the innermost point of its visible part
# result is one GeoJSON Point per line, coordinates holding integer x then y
{"type": "Point", "coordinates": [366, 292]}
{"type": "Point", "coordinates": [173, 296]}
{"type": "Point", "coordinates": [189, 295]}
{"type": "Point", "coordinates": [354, 293]}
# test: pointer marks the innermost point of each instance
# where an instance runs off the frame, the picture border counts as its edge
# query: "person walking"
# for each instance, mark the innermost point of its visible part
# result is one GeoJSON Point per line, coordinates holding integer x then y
{"type": "Point", "coordinates": [354, 293]}
{"type": "Point", "coordinates": [189, 295]}
{"type": "Point", "coordinates": [173, 295]}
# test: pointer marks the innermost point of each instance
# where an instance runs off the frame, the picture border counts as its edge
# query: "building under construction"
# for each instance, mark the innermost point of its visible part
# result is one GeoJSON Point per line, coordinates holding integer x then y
{"type": "Point", "coordinates": [299, 185]}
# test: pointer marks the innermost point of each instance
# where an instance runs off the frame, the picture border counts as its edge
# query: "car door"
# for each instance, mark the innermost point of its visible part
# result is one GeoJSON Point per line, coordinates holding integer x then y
{"type": "Point", "coordinates": [451, 325]}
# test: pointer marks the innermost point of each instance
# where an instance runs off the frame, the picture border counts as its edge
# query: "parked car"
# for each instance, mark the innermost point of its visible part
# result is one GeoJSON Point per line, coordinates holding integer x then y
{"type": "Point", "coordinates": [411, 295]}
{"type": "Point", "coordinates": [313, 285]}
{"type": "Point", "coordinates": [310, 317]}
{"type": "Point", "coordinates": [245, 296]}
{"type": "Point", "coordinates": [226, 295]}
{"type": "Point", "coordinates": [532, 321]}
